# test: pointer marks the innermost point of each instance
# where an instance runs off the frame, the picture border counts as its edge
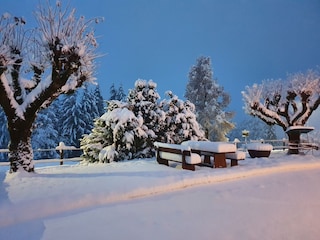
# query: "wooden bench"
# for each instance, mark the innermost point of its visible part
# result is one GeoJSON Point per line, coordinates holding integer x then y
{"type": "Point", "coordinates": [235, 157]}
{"type": "Point", "coordinates": [166, 152]}
{"type": "Point", "coordinates": [209, 150]}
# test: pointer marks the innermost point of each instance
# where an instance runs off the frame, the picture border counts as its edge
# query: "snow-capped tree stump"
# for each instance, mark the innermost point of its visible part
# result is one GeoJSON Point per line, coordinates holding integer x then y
{"type": "Point", "coordinates": [294, 134]}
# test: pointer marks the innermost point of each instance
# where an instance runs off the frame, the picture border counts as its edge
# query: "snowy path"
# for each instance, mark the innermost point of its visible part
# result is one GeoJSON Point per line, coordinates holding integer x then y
{"type": "Point", "coordinates": [277, 206]}
{"type": "Point", "coordinates": [102, 199]}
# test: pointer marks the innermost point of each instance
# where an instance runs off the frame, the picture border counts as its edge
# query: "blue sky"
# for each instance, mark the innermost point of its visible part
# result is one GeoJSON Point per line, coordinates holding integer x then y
{"type": "Point", "coordinates": [248, 40]}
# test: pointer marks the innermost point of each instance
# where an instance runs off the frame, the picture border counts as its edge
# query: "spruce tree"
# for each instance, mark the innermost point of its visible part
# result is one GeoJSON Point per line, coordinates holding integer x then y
{"type": "Point", "coordinates": [4, 135]}
{"type": "Point", "coordinates": [98, 102]}
{"type": "Point", "coordinates": [180, 121]}
{"type": "Point", "coordinates": [210, 100]}
{"type": "Point", "coordinates": [44, 128]}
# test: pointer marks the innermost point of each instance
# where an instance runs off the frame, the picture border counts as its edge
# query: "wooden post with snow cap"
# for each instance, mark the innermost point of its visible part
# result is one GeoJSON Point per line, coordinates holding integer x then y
{"type": "Point", "coordinates": [60, 148]}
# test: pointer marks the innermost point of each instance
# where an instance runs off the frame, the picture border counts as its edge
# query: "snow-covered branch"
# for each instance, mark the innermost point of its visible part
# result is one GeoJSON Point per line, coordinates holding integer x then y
{"type": "Point", "coordinates": [285, 103]}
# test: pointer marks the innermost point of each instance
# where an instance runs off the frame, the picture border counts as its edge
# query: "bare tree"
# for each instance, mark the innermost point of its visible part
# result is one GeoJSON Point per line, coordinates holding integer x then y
{"type": "Point", "coordinates": [285, 103]}
{"type": "Point", "coordinates": [57, 56]}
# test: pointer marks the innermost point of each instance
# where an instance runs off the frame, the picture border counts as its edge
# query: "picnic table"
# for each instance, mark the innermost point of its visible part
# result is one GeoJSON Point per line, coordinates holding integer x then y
{"type": "Point", "coordinates": [214, 153]}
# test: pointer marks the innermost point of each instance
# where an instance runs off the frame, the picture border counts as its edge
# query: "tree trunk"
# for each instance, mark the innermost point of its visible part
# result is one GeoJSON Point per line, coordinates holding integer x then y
{"type": "Point", "coordinates": [294, 140]}
{"type": "Point", "coordinates": [20, 149]}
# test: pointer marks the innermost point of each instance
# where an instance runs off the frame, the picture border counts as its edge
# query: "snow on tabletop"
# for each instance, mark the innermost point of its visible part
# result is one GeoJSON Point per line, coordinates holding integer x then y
{"type": "Point", "coordinates": [302, 129]}
{"type": "Point", "coordinates": [259, 146]}
{"type": "Point", "coordinates": [217, 147]}
{"type": "Point", "coordinates": [172, 146]}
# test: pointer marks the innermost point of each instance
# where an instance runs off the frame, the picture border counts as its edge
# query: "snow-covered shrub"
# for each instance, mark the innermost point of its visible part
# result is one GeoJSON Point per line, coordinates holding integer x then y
{"type": "Point", "coordinates": [128, 129]}
{"type": "Point", "coordinates": [180, 121]}
{"type": "Point", "coordinates": [113, 136]}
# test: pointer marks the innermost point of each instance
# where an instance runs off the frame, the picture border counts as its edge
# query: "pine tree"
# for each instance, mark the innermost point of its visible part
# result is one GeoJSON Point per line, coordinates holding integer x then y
{"type": "Point", "coordinates": [4, 135]}
{"type": "Point", "coordinates": [113, 93]}
{"type": "Point", "coordinates": [210, 100]}
{"type": "Point", "coordinates": [180, 121]}
{"type": "Point", "coordinates": [121, 96]}
{"type": "Point", "coordinates": [45, 135]}
{"type": "Point", "coordinates": [98, 102]}
{"type": "Point", "coordinates": [128, 129]}
{"type": "Point", "coordinates": [113, 136]}
{"type": "Point", "coordinates": [144, 101]}
{"type": "Point", "coordinates": [72, 121]}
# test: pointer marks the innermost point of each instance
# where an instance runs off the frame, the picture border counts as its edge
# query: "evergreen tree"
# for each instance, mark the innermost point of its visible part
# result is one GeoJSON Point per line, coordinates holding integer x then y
{"type": "Point", "coordinates": [72, 121]}
{"type": "Point", "coordinates": [128, 129]}
{"type": "Point", "coordinates": [98, 102]}
{"type": "Point", "coordinates": [45, 135]}
{"type": "Point", "coordinates": [210, 100]}
{"type": "Point", "coordinates": [180, 121]}
{"type": "Point", "coordinates": [113, 93]}
{"type": "Point", "coordinates": [4, 135]}
{"type": "Point", "coordinates": [117, 94]}
{"type": "Point", "coordinates": [88, 111]}
{"type": "Point", "coordinates": [144, 101]}
{"type": "Point", "coordinates": [113, 136]}
{"type": "Point", "coordinates": [121, 96]}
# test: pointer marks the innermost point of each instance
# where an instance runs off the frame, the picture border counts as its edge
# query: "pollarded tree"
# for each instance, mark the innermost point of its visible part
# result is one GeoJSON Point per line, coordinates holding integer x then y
{"type": "Point", "coordinates": [59, 53]}
{"type": "Point", "coordinates": [285, 103]}
{"type": "Point", "coordinates": [210, 100]}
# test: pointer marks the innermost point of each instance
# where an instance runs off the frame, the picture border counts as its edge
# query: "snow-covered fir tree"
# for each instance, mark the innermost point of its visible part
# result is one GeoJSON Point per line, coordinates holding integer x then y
{"type": "Point", "coordinates": [210, 100]}
{"type": "Point", "coordinates": [180, 121]}
{"type": "Point", "coordinates": [144, 101]}
{"type": "Point", "coordinates": [117, 94]}
{"type": "Point", "coordinates": [114, 135]}
{"type": "Point", "coordinates": [4, 135]}
{"type": "Point", "coordinates": [98, 101]}
{"type": "Point", "coordinates": [128, 129]}
{"type": "Point", "coordinates": [45, 134]}
{"type": "Point", "coordinates": [72, 120]}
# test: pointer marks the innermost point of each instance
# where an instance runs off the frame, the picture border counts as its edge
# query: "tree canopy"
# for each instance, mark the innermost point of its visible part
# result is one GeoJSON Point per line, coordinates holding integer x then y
{"type": "Point", "coordinates": [58, 55]}
{"type": "Point", "coordinates": [286, 103]}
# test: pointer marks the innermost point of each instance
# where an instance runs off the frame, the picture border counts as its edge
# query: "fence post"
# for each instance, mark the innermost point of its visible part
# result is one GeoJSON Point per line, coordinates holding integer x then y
{"type": "Point", "coordinates": [61, 145]}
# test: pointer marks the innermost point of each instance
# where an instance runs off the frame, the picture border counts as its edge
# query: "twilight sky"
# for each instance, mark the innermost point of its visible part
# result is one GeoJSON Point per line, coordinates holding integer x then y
{"type": "Point", "coordinates": [248, 40]}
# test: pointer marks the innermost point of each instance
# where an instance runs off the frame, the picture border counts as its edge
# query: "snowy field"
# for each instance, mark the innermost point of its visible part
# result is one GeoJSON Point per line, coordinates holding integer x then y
{"type": "Point", "coordinates": [267, 198]}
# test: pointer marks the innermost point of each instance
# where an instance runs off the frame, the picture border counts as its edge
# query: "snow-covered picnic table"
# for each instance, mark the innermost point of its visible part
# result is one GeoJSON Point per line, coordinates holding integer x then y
{"type": "Point", "coordinates": [215, 151]}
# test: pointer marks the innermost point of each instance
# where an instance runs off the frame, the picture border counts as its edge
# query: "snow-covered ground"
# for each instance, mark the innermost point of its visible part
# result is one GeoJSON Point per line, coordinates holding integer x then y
{"type": "Point", "coordinates": [267, 198]}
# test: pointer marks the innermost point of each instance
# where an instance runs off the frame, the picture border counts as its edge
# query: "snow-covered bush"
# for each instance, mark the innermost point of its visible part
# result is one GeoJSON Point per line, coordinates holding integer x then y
{"type": "Point", "coordinates": [128, 129]}
{"type": "Point", "coordinates": [113, 135]}
{"type": "Point", "coordinates": [180, 121]}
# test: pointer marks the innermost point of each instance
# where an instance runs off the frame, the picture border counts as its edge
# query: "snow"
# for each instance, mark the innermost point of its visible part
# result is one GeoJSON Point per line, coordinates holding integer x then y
{"type": "Point", "coordinates": [266, 198]}
{"type": "Point", "coordinates": [302, 129]}
{"type": "Point", "coordinates": [259, 146]}
{"type": "Point", "coordinates": [217, 147]}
